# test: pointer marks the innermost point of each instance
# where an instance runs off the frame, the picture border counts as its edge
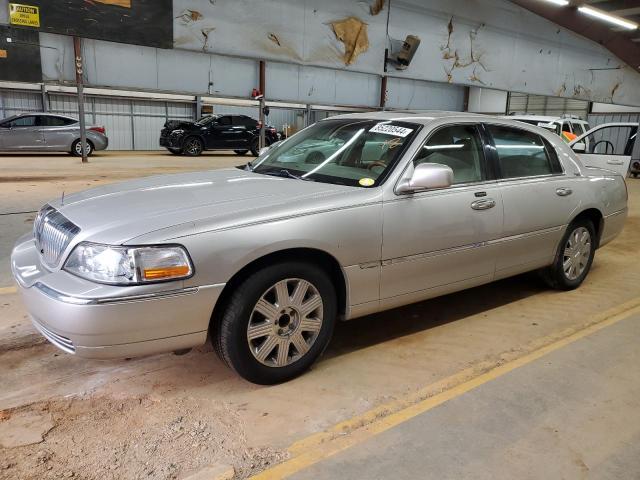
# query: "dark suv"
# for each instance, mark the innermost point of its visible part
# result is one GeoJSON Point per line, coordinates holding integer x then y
{"type": "Point", "coordinates": [239, 133]}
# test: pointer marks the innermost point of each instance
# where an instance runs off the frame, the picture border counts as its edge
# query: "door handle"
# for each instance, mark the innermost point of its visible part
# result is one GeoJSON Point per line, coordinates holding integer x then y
{"type": "Point", "coordinates": [485, 204]}
{"type": "Point", "coordinates": [563, 192]}
{"type": "Point", "coordinates": [615, 162]}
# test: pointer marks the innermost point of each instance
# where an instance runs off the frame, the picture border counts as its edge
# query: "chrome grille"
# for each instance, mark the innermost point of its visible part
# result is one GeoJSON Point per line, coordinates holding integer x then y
{"type": "Point", "coordinates": [53, 232]}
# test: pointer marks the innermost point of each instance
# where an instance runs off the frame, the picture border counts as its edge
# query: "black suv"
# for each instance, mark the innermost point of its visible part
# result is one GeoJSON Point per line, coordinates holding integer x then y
{"type": "Point", "coordinates": [217, 132]}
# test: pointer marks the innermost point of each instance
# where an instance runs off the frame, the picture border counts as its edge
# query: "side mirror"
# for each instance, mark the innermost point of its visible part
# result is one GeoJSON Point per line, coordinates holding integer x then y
{"type": "Point", "coordinates": [426, 176]}
{"type": "Point", "coordinates": [579, 147]}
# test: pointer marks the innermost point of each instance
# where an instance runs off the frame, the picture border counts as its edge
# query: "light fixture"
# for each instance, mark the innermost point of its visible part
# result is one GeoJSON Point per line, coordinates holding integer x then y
{"type": "Point", "coordinates": [593, 12]}
{"type": "Point", "coordinates": [561, 3]}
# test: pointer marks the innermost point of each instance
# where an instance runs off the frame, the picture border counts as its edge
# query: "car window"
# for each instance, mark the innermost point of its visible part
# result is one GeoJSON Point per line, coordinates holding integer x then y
{"type": "Point", "coordinates": [613, 140]}
{"type": "Point", "coordinates": [458, 147]}
{"type": "Point", "coordinates": [49, 121]}
{"type": "Point", "coordinates": [577, 128]}
{"type": "Point", "coordinates": [246, 121]}
{"type": "Point", "coordinates": [520, 153]}
{"type": "Point", "coordinates": [29, 121]}
{"type": "Point", "coordinates": [226, 120]}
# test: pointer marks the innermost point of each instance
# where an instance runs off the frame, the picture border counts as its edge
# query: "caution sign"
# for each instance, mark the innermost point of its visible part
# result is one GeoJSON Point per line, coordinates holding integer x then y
{"type": "Point", "coordinates": [24, 15]}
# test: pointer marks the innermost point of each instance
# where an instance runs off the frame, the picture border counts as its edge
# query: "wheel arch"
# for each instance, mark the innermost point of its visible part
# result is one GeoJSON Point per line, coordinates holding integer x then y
{"type": "Point", "coordinates": [315, 256]}
{"type": "Point", "coordinates": [596, 217]}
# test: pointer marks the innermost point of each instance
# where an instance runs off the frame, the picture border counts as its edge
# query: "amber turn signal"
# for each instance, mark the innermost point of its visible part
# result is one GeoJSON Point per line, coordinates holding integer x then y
{"type": "Point", "coordinates": [166, 272]}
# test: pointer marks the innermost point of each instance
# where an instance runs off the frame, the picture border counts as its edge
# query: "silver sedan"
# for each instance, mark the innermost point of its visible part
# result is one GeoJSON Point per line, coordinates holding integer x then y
{"type": "Point", "coordinates": [48, 132]}
{"type": "Point", "coordinates": [394, 209]}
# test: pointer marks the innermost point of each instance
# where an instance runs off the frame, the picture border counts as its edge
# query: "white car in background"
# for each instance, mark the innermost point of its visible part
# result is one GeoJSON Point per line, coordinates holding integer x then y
{"type": "Point", "coordinates": [567, 127]}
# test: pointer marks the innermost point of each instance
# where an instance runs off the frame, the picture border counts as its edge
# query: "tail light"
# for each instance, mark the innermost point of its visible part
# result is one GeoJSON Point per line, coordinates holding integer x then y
{"type": "Point", "coordinates": [259, 126]}
{"type": "Point", "coordinates": [101, 130]}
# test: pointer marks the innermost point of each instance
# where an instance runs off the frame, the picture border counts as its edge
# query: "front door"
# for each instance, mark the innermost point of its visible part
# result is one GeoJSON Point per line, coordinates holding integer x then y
{"type": "Point", "coordinates": [609, 146]}
{"type": "Point", "coordinates": [22, 133]}
{"type": "Point", "coordinates": [437, 240]}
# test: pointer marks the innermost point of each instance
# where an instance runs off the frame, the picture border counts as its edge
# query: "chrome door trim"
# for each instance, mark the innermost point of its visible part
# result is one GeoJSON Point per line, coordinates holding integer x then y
{"type": "Point", "coordinates": [520, 236]}
{"type": "Point", "coordinates": [446, 251]}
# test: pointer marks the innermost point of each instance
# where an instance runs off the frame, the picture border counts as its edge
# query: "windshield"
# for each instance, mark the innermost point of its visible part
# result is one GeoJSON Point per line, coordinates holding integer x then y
{"type": "Point", "coordinates": [345, 152]}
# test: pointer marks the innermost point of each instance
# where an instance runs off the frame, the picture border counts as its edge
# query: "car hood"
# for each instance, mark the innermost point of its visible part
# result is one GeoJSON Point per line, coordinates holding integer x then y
{"type": "Point", "coordinates": [181, 204]}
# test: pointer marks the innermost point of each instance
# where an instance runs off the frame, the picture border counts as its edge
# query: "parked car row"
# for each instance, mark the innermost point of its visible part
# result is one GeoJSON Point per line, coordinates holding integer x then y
{"type": "Point", "coordinates": [239, 133]}
{"type": "Point", "coordinates": [47, 132]}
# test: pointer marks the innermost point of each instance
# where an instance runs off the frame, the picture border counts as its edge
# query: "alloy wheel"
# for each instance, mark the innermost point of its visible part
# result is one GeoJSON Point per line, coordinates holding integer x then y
{"type": "Point", "coordinates": [193, 147]}
{"type": "Point", "coordinates": [576, 253]}
{"type": "Point", "coordinates": [285, 322]}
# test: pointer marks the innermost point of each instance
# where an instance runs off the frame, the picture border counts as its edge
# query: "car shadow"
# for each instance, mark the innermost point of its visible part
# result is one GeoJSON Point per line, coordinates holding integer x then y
{"type": "Point", "coordinates": [381, 327]}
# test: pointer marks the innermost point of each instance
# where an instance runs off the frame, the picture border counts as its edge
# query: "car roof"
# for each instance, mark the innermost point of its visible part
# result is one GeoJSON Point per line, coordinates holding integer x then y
{"type": "Point", "coordinates": [544, 118]}
{"type": "Point", "coordinates": [415, 116]}
{"type": "Point", "coordinates": [41, 114]}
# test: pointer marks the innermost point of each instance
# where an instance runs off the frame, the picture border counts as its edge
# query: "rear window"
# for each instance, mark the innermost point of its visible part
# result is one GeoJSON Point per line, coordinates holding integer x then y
{"type": "Point", "coordinates": [520, 153]}
{"type": "Point", "coordinates": [47, 121]}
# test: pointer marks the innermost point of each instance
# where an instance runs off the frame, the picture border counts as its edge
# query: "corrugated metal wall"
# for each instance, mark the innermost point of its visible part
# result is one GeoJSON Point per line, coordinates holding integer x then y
{"type": "Point", "coordinates": [13, 102]}
{"type": "Point", "coordinates": [541, 105]}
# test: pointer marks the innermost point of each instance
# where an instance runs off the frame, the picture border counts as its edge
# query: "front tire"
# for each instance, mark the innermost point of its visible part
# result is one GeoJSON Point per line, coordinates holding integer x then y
{"type": "Point", "coordinates": [254, 147]}
{"type": "Point", "coordinates": [192, 147]}
{"type": "Point", "coordinates": [76, 148]}
{"type": "Point", "coordinates": [241, 152]}
{"type": "Point", "coordinates": [574, 256]}
{"type": "Point", "coordinates": [277, 322]}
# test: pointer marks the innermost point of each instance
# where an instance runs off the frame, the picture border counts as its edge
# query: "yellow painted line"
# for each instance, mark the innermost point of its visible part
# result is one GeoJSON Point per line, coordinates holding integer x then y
{"type": "Point", "coordinates": [344, 435]}
{"type": "Point", "coordinates": [7, 290]}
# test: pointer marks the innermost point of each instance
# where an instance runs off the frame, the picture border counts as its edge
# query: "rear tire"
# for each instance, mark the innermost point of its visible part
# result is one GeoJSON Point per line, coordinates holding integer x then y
{"type": "Point", "coordinates": [241, 152]}
{"type": "Point", "coordinates": [300, 308]}
{"type": "Point", "coordinates": [76, 148]}
{"type": "Point", "coordinates": [192, 146]}
{"type": "Point", "coordinates": [574, 256]}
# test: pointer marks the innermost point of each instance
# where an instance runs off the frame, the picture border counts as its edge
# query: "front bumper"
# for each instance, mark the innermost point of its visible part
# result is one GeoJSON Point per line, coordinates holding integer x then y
{"type": "Point", "coordinates": [104, 321]}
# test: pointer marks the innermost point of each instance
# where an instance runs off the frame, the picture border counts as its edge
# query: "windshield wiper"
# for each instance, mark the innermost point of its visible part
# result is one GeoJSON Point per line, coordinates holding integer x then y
{"type": "Point", "coordinates": [249, 166]}
{"type": "Point", "coordinates": [284, 173]}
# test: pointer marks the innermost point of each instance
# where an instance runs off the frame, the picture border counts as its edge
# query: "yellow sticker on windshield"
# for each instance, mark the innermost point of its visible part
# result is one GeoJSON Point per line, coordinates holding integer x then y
{"type": "Point", "coordinates": [366, 182]}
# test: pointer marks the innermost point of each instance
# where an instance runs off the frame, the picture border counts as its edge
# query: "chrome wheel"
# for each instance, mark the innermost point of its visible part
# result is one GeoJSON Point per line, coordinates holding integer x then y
{"type": "Point", "coordinates": [577, 251]}
{"type": "Point", "coordinates": [193, 146]}
{"type": "Point", "coordinates": [285, 322]}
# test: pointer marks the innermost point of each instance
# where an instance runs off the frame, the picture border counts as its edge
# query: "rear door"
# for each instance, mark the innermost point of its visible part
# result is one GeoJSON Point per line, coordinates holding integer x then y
{"type": "Point", "coordinates": [537, 196]}
{"type": "Point", "coordinates": [59, 132]}
{"type": "Point", "coordinates": [608, 146]}
{"type": "Point", "coordinates": [23, 133]}
{"type": "Point", "coordinates": [244, 130]}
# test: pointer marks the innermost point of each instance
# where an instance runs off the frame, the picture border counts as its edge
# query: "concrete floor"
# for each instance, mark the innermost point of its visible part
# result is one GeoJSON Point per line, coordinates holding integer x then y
{"type": "Point", "coordinates": [373, 365]}
{"type": "Point", "coordinates": [571, 414]}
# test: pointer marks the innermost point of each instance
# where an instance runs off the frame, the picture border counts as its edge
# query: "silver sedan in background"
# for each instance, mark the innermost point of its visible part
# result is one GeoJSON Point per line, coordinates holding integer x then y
{"type": "Point", "coordinates": [49, 133]}
{"type": "Point", "coordinates": [350, 216]}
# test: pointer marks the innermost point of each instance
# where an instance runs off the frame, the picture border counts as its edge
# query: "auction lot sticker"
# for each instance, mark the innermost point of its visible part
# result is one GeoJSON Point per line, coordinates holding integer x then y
{"type": "Point", "coordinates": [24, 15]}
{"type": "Point", "coordinates": [389, 129]}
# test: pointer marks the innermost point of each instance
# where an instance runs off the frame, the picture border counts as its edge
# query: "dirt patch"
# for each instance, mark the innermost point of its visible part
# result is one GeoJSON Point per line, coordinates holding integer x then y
{"type": "Point", "coordinates": [105, 438]}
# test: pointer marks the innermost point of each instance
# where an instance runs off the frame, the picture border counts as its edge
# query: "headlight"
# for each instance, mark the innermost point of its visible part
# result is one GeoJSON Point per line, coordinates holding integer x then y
{"type": "Point", "coordinates": [177, 132]}
{"type": "Point", "coordinates": [128, 265]}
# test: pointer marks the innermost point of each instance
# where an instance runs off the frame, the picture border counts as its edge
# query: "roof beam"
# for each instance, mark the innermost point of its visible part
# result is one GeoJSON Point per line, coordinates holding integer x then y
{"type": "Point", "coordinates": [569, 17]}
